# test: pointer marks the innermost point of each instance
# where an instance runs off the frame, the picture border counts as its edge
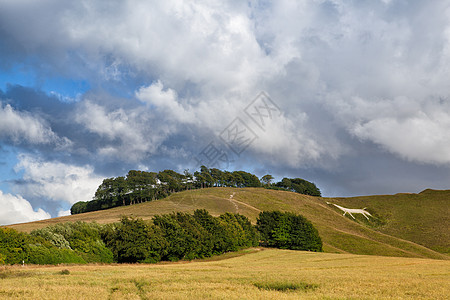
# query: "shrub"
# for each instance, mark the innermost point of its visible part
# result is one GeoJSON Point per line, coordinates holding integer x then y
{"type": "Point", "coordinates": [285, 286]}
{"type": "Point", "coordinates": [133, 240]}
{"type": "Point", "coordinates": [64, 272]}
{"type": "Point", "coordinates": [178, 236]}
{"type": "Point", "coordinates": [42, 255]}
{"type": "Point", "coordinates": [288, 231]}
{"type": "Point", "coordinates": [17, 247]}
{"type": "Point", "coordinates": [185, 237]}
{"type": "Point", "coordinates": [13, 246]}
{"type": "Point", "coordinates": [238, 232]}
{"type": "Point", "coordinates": [84, 238]}
{"type": "Point", "coordinates": [51, 235]}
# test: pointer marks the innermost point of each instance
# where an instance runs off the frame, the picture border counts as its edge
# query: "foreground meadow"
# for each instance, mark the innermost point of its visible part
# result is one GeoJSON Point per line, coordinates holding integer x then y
{"type": "Point", "coordinates": [259, 274]}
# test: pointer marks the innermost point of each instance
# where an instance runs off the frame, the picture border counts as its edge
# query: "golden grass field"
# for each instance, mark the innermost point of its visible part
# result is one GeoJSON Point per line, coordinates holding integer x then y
{"type": "Point", "coordinates": [317, 276]}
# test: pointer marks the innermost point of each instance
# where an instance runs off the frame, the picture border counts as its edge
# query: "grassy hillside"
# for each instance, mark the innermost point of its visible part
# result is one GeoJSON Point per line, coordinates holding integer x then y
{"type": "Point", "coordinates": [390, 233]}
{"type": "Point", "coordinates": [423, 218]}
{"type": "Point", "coordinates": [258, 275]}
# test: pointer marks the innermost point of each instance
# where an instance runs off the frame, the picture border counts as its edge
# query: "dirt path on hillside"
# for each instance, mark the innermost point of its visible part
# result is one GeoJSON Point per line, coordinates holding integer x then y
{"type": "Point", "coordinates": [236, 202]}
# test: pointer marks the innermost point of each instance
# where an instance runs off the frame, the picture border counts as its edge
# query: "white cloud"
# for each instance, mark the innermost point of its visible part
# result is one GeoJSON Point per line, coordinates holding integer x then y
{"type": "Point", "coordinates": [56, 181]}
{"type": "Point", "coordinates": [15, 209]}
{"type": "Point", "coordinates": [63, 213]}
{"type": "Point", "coordinates": [131, 133]}
{"type": "Point", "coordinates": [24, 127]}
{"type": "Point", "coordinates": [413, 129]}
{"type": "Point", "coordinates": [291, 142]}
{"type": "Point", "coordinates": [166, 101]}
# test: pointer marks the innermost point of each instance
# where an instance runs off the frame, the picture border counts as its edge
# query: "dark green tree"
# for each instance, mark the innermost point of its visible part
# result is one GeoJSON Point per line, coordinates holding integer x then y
{"type": "Point", "coordinates": [133, 240]}
{"type": "Point", "coordinates": [267, 179]}
{"type": "Point", "coordinates": [288, 231]}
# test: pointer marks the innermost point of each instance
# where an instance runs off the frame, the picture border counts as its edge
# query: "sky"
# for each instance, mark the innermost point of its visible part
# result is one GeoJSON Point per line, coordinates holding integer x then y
{"type": "Point", "coordinates": [351, 95]}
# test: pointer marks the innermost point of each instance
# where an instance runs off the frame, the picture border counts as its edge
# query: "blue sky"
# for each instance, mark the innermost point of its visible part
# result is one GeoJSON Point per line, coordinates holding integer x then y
{"type": "Point", "coordinates": [356, 94]}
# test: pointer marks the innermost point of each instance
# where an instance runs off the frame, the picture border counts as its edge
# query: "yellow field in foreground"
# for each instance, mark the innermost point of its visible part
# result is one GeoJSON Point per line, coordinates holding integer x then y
{"type": "Point", "coordinates": [332, 276]}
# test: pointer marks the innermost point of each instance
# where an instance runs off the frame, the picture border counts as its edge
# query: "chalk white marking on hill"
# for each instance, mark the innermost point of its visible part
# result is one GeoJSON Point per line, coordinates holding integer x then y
{"type": "Point", "coordinates": [353, 210]}
{"type": "Point", "coordinates": [234, 203]}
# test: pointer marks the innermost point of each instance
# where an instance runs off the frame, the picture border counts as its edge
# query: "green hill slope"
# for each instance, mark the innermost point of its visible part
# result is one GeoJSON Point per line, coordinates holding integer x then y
{"type": "Point", "coordinates": [386, 234]}
{"type": "Point", "coordinates": [423, 218]}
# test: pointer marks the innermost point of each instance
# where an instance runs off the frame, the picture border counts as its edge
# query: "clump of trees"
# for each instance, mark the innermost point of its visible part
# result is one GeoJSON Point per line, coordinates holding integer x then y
{"type": "Point", "coordinates": [83, 238]}
{"type": "Point", "coordinates": [18, 247]}
{"type": "Point", "coordinates": [297, 185]}
{"type": "Point", "coordinates": [178, 236]}
{"type": "Point", "coordinates": [170, 237]}
{"type": "Point", "coordinates": [287, 230]}
{"type": "Point", "coordinates": [141, 186]}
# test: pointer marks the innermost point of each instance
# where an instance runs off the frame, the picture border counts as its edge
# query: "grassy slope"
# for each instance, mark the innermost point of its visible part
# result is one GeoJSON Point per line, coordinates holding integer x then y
{"type": "Point", "coordinates": [423, 218]}
{"type": "Point", "coordinates": [339, 234]}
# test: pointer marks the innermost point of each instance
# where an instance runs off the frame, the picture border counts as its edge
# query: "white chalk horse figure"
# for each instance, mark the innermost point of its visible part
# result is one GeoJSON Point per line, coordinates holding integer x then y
{"type": "Point", "coordinates": [353, 210]}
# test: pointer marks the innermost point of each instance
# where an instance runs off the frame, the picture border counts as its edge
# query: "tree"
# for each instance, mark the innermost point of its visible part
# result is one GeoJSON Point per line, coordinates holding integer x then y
{"type": "Point", "coordinates": [267, 179]}
{"type": "Point", "coordinates": [217, 177]}
{"type": "Point", "coordinates": [287, 230]}
{"type": "Point", "coordinates": [81, 237]}
{"type": "Point", "coordinates": [206, 175]}
{"type": "Point", "coordinates": [17, 247]}
{"type": "Point", "coordinates": [237, 180]}
{"type": "Point", "coordinates": [186, 238]}
{"type": "Point", "coordinates": [133, 240]}
{"type": "Point", "coordinates": [305, 187]}
{"type": "Point", "coordinates": [78, 208]}
{"type": "Point", "coordinates": [299, 185]}
{"type": "Point", "coordinates": [188, 179]}
{"type": "Point", "coordinates": [13, 245]}
{"type": "Point", "coordinates": [141, 186]}
{"type": "Point", "coordinates": [249, 180]}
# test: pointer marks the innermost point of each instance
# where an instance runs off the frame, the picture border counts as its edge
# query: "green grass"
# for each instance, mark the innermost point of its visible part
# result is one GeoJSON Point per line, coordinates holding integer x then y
{"type": "Point", "coordinates": [408, 225]}
{"type": "Point", "coordinates": [64, 272]}
{"type": "Point", "coordinates": [285, 286]}
{"type": "Point", "coordinates": [422, 218]}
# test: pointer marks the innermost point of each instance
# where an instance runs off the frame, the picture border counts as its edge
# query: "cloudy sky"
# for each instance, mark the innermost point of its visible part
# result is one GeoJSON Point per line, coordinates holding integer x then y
{"type": "Point", "coordinates": [355, 94]}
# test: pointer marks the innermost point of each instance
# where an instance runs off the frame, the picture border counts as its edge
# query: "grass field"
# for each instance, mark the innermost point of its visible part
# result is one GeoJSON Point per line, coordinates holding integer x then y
{"type": "Point", "coordinates": [405, 225]}
{"type": "Point", "coordinates": [260, 274]}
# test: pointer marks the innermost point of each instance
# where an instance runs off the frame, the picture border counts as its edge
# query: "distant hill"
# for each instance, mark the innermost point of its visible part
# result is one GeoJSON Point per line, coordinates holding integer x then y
{"type": "Point", "coordinates": [408, 225]}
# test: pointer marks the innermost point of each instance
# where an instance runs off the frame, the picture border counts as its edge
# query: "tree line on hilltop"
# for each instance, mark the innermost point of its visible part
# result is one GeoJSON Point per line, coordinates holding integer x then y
{"type": "Point", "coordinates": [142, 186]}
{"type": "Point", "coordinates": [170, 237]}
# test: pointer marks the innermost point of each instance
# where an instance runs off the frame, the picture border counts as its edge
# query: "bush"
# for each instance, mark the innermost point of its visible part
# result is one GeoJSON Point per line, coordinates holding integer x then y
{"type": "Point", "coordinates": [178, 236]}
{"type": "Point", "coordinates": [17, 247]}
{"type": "Point", "coordinates": [238, 232]}
{"type": "Point", "coordinates": [79, 207]}
{"type": "Point", "coordinates": [185, 237]}
{"type": "Point", "coordinates": [81, 237]}
{"type": "Point", "coordinates": [220, 236]}
{"type": "Point", "coordinates": [13, 246]}
{"type": "Point", "coordinates": [133, 240]}
{"type": "Point", "coordinates": [42, 255]}
{"type": "Point", "coordinates": [288, 231]}
{"type": "Point", "coordinates": [171, 237]}
{"type": "Point", "coordinates": [53, 236]}
{"type": "Point", "coordinates": [299, 185]}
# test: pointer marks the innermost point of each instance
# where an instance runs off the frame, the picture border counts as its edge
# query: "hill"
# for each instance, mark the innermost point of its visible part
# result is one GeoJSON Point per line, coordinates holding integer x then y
{"type": "Point", "coordinates": [423, 218]}
{"type": "Point", "coordinates": [394, 230]}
